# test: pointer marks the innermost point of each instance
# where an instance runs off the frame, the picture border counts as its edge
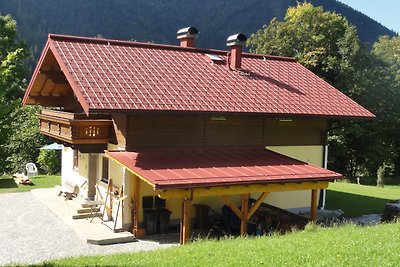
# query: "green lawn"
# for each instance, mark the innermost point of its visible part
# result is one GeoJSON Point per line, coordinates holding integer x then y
{"type": "Point", "coordinates": [339, 246]}
{"type": "Point", "coordinates": [356, 200]}
{"type": "Point", "coordinates": [7, 184]}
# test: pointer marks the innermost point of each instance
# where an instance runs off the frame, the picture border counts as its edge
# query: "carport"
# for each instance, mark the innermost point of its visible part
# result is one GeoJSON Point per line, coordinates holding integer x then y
{"type": "Point", "coordinates": [187, 173]}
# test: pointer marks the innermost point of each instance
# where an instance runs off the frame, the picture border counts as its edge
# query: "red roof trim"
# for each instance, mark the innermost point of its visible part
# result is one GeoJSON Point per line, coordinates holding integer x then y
{"type": "Point", "coordinates": [64, 69]}
{"type": "Point", "coordinates": [35, 73]}
{"type": "Point", "coordinates": [160, 46]}
{"type": "Point", "coordinates": [211, 113]}
{"type": "Point", "coordinates": [205, 167]}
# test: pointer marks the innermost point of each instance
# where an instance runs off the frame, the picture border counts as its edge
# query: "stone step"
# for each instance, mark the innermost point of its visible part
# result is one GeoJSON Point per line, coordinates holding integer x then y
{"type": "Point", "coordinates": [83, 203]}
{"type": "Point", "coordinates": [85, 215]}
{"type": "Point", "coordinates": [115, 238]}
{"type": "Point", "coordinates": [84, 210]}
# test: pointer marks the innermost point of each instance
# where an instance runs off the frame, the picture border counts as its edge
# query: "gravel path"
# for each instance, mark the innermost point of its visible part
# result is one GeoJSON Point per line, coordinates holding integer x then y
{"type": "Point", "coordinates": [31, 233]}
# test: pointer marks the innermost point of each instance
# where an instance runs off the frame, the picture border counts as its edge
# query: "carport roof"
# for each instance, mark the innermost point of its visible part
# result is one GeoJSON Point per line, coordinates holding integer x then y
{"type": "Point", "coordinates": [206, 167]}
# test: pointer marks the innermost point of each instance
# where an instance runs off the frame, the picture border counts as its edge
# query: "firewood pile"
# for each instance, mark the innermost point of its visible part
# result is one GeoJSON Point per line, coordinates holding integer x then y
{"type": "Point", "coordinates": [21, 178]}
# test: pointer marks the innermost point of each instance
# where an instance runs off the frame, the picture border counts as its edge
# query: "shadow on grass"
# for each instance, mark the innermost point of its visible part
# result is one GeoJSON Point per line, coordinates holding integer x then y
{"type": "Point", "coordinates": [8, 183]}
{"type": "Point", "coordinates": [353, 204]}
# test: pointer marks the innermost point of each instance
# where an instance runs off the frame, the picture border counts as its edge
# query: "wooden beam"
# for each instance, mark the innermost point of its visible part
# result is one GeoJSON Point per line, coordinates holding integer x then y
{"type": "Point", "coordinates": [185, 221]}
{"type": "Point", "coordinates": [241, 189]}
{"type": "Point", "coordinates": [313, 208]}
{"type": "Point", "coordinates": [245, 210]}
{"type": "Point", "coordinates": [135, 205]}
{"type": "Point", "coordinates": [257, 204]}
{"type": "Point", "coordinates": [50, 101]}
{"type": "Point", "coordinates": [57, 76]}
{"type": "Point", "coordinates": [232, 206]}
{"type": "Point", "coordinates": [48, 88]}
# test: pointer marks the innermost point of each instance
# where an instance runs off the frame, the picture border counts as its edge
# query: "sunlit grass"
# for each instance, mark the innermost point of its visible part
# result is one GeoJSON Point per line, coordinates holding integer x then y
{"type": "Point", "coordinates": [356, 200]}
{"type": "Point", "coordinates": [338, 246]}
{"type": "Point", "coordinates": [7, 184]}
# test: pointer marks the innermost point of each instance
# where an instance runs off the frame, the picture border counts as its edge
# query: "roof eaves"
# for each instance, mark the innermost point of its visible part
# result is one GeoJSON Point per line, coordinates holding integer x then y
{"type": "Point", "coordinates": [35, 73]}
{"type": "Point", "coordinates": [224, 184]}
{"type": "Point", "coordinates": [277, 115]}
{"type": "Point", "coordinates": [70, 80]}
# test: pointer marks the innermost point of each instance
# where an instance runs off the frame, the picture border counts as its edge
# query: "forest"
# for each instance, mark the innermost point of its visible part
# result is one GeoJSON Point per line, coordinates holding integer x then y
{"type": "Point", "coordinates": [360, 59]}
{"type": "Point", "coordinates": [158, 20]}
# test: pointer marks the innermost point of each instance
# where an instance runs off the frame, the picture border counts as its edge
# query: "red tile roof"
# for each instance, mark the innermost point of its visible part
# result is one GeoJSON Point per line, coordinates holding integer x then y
{"type": "Point", "coordinates": [199, 167]}
{"type": "Point", "coordinates": [117, 75]}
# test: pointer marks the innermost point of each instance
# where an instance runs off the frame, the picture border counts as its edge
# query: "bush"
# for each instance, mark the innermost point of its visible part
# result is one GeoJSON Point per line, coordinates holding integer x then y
{"type": "Point", "coordinates": [50, 161]}
{"type": "Point", "coordinates": [22, 143]}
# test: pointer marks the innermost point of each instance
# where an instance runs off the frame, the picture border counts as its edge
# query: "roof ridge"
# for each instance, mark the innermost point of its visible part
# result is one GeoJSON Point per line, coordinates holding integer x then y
{"type": "Point", "coordinates": [160, 46]}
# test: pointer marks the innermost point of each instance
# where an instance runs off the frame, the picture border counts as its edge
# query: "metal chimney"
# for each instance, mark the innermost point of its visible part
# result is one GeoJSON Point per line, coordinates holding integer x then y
{"type": "Point", "coordinates": [187, 36]}
{"type": "Point", "coordinates": [236, 42]}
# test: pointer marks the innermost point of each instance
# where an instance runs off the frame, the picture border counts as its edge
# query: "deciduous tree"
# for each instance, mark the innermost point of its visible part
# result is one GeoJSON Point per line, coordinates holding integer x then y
{"type": "Point", "coordinates": [328, 45]}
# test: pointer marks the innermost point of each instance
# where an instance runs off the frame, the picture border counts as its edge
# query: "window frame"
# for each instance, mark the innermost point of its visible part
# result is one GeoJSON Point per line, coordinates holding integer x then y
{"type": "Point", "coordinates": [105, 170]}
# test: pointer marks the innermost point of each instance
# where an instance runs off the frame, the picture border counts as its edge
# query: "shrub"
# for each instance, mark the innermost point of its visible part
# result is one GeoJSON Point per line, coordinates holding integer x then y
{"type": "Point", "coordinates": [50, 161]}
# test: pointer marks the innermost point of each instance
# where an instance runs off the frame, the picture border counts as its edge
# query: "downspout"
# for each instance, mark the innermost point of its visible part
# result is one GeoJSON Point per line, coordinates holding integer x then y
{"type": "Point", "coordinates": [322, 194]}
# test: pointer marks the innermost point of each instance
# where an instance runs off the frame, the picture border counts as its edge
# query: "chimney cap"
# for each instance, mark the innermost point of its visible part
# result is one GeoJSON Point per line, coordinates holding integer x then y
{"type": "Point", "coordinates": [188, 32]}
{"type": "Point", "coordinates": [236, 39]}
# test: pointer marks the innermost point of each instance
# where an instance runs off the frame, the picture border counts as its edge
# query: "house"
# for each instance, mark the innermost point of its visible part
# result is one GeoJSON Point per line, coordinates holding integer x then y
{"type": "Point", "coordinates": [186, 125]}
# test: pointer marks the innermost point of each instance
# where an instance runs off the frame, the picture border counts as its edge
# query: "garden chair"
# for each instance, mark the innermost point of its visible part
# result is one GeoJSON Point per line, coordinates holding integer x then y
{"type": "Point", "coordinates": [31, 169]}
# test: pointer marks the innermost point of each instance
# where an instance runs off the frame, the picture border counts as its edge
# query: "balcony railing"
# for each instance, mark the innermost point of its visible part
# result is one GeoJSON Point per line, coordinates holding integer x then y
{"type": "Point", "coordinates": [75, 128]}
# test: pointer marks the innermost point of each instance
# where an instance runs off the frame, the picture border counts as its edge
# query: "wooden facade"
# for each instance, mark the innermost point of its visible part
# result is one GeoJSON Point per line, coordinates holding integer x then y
{"type": "Point", "coordinates": [160, 130]}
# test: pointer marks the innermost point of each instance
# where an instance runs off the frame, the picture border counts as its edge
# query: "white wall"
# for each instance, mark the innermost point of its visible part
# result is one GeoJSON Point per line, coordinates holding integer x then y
{"type": "Point", "coordinates": [74, 176]}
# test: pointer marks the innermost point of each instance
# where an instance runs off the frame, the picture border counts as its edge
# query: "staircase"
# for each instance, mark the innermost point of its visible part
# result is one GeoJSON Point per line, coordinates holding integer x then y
{"type": "Point", "coordinates": [83, 211]}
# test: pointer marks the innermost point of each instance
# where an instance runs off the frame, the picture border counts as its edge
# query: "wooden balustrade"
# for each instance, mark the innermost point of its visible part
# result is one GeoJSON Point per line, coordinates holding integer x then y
{"type": "Point", "coordinates": [75, 128]}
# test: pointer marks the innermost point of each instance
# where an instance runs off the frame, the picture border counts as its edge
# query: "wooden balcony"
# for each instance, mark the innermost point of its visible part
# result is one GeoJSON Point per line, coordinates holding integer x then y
{"type": "Point", "coordinates": [75, 129]}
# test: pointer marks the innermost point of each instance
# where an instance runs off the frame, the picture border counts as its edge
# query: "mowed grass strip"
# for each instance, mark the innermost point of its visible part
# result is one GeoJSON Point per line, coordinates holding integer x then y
{"type": "Point", "coordinates": [7, 184]}
{"type": "Point", "coordinates": [347, 245]}
{"type": "Point", "coordinates": [357, 200]}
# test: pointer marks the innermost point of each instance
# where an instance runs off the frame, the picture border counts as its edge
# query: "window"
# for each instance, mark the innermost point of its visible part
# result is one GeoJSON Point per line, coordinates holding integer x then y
{"type": "Point", "coordinates": [76, 160]}
{"type": "Point", "coordinates": [104, 170]}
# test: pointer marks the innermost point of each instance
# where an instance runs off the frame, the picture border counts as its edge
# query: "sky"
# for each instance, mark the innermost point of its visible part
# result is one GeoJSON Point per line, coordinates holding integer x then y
{"type": "Point", "coordinates": [386, 12]}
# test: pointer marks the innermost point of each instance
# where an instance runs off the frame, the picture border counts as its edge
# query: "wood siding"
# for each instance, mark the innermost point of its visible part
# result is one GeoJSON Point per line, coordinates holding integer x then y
{"type": "Point", "coordinates": [235, 130]}
{"type": "Point", "coordinates": [299, 132]}
{"type": "Point", "coordinates": [149, 130]}
{"type": "Point", "coordinates": [120, 129]}
{"type": "Point", "coordinates": [164, 131]}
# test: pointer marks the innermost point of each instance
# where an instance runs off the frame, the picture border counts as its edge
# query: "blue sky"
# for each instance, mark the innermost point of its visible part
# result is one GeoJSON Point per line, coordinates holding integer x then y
{"type": "Point", "coordinates": [387, 12]}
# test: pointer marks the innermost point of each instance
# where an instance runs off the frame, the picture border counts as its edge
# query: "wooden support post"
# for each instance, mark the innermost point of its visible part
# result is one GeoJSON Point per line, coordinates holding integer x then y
{"type": "Point", "coordinates": [245, 210]}
{"type": "Point", "coordinates": [257, 204]}
{"type": "Point", "coordinates": [110, 190]}
{"type": "Point", "coordinates": [135, 205]}
{"type": "Point", "coordinates": [92, 175]}
{"type": "Point", "coordinates": [232, 206]}
{"type": "Point", "coordinates": [185, 221]}
{"type": "Point", "coordinates": [106, 209]}
{"type": "Point", "coordinates": [313, 209]}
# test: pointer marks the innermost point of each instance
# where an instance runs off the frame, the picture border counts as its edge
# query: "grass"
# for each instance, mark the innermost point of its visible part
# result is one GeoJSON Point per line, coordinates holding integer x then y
{"type": "Point", "coordinates": [357, 200]}
{"type": "Point", "coordinates": [338, 246]}
{"type": "Point", "coordinates": [7, 184]}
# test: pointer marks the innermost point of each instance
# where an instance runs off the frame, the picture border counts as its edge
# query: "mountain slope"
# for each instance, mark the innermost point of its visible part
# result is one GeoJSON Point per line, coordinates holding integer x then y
{"type": "Point", "coordinates": [158, 20]}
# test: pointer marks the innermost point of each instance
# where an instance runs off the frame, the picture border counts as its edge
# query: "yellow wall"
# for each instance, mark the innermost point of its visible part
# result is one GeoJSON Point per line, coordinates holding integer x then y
{"type": "Point", "coordinates": [295, 199]}
{"type": "Point", "coordinates": [309, 154]}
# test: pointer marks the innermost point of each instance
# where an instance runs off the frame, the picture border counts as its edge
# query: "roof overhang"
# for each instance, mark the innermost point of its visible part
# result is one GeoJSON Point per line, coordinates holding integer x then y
{"type": "Point", "coordinates": [253, 169]}
{"type": "Point", "coordinates": [51, 83]}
